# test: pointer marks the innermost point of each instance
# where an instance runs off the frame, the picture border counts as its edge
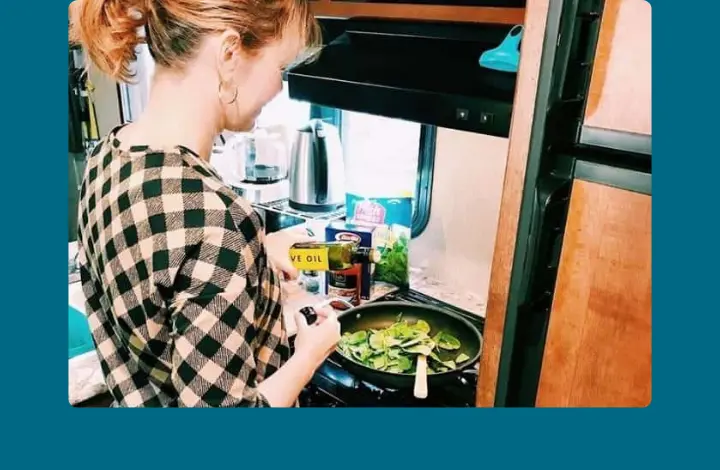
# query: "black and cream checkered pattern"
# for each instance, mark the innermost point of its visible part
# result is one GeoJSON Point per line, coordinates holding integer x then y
{"type": "Point", "coordinates": [183, 306]}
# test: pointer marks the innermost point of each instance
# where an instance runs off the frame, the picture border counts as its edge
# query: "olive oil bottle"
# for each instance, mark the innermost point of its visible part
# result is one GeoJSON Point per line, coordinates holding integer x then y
{"type": "Point", "coordinates": [330, 256]}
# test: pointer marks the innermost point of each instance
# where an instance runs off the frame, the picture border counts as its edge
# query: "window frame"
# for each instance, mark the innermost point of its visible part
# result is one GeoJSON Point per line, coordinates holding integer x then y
{"type": "Point", "coordinates": [424, 185]}
{"type": "Point", "coordinates": [425, 168]}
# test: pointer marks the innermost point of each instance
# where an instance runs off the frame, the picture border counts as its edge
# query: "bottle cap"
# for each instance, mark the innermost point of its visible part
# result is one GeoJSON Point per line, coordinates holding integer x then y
{"type": "Point", "coordinates": [309, 314]}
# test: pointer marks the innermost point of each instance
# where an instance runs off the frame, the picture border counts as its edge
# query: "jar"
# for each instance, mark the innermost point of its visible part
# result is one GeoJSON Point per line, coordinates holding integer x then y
{"type": "Point", "coordinates": [310, 280]}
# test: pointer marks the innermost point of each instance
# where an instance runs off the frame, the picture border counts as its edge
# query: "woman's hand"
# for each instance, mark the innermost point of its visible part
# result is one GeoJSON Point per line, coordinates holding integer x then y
{"type": "Point", "coordinates": [323, 314]}
{"type": "Point", "coordinates": [277, 245]}
{"type": "Point", "coordinates": [317, 341]}
{"type": "Point", "coordinates": [313, 344]}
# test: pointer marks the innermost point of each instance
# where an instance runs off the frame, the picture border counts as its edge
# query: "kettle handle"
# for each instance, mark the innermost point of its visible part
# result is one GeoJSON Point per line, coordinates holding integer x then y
{"type": "Point", "coordinates": [321, 164]}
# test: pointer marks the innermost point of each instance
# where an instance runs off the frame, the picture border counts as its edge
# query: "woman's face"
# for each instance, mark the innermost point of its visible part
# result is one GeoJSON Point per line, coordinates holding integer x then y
{"type": "Point", "coordinates": [258, 79]}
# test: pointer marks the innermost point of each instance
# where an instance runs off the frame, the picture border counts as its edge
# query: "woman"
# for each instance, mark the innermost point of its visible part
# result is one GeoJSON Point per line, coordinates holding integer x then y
{"type": "Point", "coordinates": [183, 296]}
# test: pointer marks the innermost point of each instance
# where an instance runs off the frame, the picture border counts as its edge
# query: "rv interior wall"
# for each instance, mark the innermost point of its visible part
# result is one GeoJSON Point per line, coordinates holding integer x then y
{"type": "Point", "coordinates": [107, 106]}
{"type": "Point", "coordinates": [457, 246]}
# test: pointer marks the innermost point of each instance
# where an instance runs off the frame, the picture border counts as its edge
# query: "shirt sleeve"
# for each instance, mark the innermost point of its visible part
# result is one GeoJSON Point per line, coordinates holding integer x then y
{"type": "Point", "coordinates": [217, 288]}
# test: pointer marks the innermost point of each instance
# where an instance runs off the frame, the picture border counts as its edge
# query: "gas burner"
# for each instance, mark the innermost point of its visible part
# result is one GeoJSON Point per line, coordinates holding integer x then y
{"type": "Point", "coordinates": [332, 386]}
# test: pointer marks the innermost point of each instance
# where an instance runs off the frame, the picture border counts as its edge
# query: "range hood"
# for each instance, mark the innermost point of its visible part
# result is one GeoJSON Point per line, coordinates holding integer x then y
{"type": "Point", "coordinates": [421, 72]}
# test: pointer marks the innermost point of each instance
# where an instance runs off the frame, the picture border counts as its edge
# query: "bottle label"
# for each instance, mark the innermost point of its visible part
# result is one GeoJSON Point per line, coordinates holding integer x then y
{"type": "Point", "coordinates": [343, 279]}
{"type": "Point", "coordinates": [345, 285]}
{"type": "Point", "coordinates": [310, 259]}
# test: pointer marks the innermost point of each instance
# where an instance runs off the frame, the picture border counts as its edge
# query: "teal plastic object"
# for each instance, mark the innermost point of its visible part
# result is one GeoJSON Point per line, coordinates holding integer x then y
{"type": "Point", "coordinates": [506, 56]}
{"type": "Point", "coordinates": [79, 338]}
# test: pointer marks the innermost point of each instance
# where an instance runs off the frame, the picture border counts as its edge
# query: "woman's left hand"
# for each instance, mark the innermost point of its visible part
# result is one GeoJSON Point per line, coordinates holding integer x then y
{"type": "Point", "coordinates": [277, 245]}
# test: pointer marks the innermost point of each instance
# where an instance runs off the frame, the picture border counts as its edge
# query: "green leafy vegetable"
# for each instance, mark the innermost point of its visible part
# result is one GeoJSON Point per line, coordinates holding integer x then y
{"type": "Point", "coordinates": [423, 326]}
{"type": "Point", "coordinates": [361, 352]}
{"type": "Point", "coordinates": [395, 349]}
{"type": "Point", "coordinates": [377, 340]}
{"type": "Point", "coordinates": [393, 267]}
{"type": "Point", "coordinates": [403, 363]}
{"type": "Point", "coordinates": [447, 341]}
{"type": "Point", "coordinates": [380, 362]}
{"type": "Point", "coordinates": [423, 349]}
{"type": "Point", "coordinates": [357, 338]}
{"type": "Point", "coordinates": [462, 357]}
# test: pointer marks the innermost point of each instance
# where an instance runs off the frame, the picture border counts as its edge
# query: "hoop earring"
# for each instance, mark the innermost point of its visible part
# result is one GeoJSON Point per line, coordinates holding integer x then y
{"type": "Point", "coordinates": [220, 94]}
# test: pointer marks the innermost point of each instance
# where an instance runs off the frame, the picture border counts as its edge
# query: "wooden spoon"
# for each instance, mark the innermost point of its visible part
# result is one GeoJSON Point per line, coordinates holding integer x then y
{"type": "Point", "coordinates": [421, 390]}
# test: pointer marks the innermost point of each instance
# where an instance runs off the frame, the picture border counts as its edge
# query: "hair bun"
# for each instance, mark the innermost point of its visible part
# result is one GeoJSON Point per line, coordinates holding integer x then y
{"type": "Point", "coordinates": [108, 31]}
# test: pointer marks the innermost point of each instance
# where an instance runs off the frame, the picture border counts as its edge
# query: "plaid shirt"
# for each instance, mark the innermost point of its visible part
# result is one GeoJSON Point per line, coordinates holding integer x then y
{"type": "Point", "coordinates": [183, 306]}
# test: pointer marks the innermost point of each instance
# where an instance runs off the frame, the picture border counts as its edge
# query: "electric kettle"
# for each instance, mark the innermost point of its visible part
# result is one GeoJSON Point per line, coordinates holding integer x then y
{"type": "Point", "coordinates": [317, 168]}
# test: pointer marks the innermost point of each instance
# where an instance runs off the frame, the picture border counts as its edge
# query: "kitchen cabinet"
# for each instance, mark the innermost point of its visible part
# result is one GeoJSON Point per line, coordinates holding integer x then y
{"type": "Point", "coordinates": [568, 312]}
{"type": "Point", "coordinates": [521, 130]}
{"type": "Point", "coordinates": [472, 11]}
{"type": "Point", "coordinates": [598, 346]}
{"type": "Point", "coordinates": [618, 112]}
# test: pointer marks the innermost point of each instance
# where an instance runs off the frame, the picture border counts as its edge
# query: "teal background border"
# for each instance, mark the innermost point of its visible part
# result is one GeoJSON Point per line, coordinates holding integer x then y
{"type": "Point", "coordinates": [43, 430]}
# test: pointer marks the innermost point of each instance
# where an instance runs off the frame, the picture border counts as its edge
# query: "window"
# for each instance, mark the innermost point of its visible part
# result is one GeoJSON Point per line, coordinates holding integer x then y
{"type": "Point", "coordinates": [383, 156]}
{"type": "Point", "coordinates": [284, 111]}
{"type": "Point", "coordinates": [387, 157]}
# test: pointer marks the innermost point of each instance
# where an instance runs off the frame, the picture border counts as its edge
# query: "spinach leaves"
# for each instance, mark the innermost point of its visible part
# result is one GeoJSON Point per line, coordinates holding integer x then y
{"type": "Point", "coordinates": [395, 349]}
{"type": "Point", "coordinates": [393, 267]}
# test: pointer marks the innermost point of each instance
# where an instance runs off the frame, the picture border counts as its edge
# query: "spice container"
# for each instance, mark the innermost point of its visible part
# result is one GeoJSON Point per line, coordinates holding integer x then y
{"type": "Point", "coordinates": [310, 281]}
{"type": "Point", "coordinates": [345, 284]}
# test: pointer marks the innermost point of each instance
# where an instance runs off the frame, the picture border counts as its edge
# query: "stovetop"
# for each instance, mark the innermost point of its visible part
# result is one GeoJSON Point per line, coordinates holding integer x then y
{"type": "Point", "coordinates": [333, 386]}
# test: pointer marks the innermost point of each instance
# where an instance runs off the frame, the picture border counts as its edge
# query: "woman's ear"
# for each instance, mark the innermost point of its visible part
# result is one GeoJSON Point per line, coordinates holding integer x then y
{"type": "Point", "coordinates": [228, 54]}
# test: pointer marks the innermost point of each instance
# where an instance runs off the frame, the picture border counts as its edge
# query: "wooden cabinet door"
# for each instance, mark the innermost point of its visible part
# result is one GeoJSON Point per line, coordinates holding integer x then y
{"type": "Point", "coordinates": [598, 348]}
{"type": "Point", "coordinates": [406, 10]}
{"type": "Point", "coordinates": [621, 84]}
{"type": "Point", "coordinates": [526, 93]}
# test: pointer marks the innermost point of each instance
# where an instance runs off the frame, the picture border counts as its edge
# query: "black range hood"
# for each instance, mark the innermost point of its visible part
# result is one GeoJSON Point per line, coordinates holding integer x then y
{"type": "Point", "coordinates": [421, 72]}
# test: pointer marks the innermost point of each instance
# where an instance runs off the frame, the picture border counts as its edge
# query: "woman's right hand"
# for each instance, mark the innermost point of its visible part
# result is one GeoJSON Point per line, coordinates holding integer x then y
{"type": "Point", "coordinates": [313, 344]}
{"type": "Point", "coordinates": [317, 341]}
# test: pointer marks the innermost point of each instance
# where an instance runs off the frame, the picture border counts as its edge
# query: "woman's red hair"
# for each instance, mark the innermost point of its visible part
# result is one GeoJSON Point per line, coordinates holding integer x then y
{"type": "Point", "coordinates": [109, 29]}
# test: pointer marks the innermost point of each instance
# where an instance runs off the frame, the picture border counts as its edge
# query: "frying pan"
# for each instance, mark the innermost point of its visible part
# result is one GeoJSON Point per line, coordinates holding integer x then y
{"type": "Point", "coordinates": [383, 314]}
